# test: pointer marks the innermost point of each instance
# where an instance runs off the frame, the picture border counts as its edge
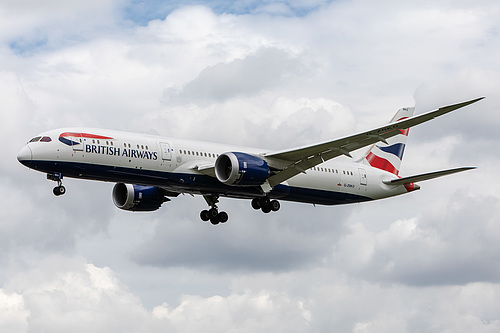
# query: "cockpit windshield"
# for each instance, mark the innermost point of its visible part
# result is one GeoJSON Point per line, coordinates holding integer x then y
{"type": "Point", "coordinates": [41, 139]}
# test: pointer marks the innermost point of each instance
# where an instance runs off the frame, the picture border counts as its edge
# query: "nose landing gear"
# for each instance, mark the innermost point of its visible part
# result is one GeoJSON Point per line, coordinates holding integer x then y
{"type": "Point", "coordinates": [59, 190]}
{"type": "Point", "coordinates": [57, 177]}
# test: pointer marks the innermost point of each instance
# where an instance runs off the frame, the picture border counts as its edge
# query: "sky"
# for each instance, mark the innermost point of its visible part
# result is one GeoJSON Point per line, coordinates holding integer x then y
{"type": "Point", "coordinates": [270, 74]}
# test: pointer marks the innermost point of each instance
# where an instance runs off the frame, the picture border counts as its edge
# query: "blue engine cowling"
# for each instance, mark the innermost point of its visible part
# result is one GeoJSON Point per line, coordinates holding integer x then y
{"type": "Point", "coordinates": [138, 197]}
{"type": "Point", "coordinates": [241, 169]}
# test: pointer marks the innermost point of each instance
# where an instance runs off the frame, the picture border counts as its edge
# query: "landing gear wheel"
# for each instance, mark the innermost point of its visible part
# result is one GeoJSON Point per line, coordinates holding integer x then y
{"type": "Point", "coordinates": [256, 203]}
{"type": "Point", "coordinates": [215, 217]}
{"type": "Point", "coordinates": [204, 215]}
{"type": "Point", "coordinates": [212, 213]}
{"type": "Point", "coordinates": [275, 205]}
{"type": "Point", "coordinates": [265, 205]}
{"type": "Point", "coordinates": [59, 190]}
{"type": "Point", "coordinates": [222, 217]}
{"type": "Point", "coordinates": [62, 190]}
{"type": "Point", "coordinates": [266, 209]}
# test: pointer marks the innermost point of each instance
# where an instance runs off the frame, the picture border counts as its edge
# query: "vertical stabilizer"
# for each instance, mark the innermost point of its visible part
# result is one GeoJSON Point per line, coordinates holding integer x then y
{"type": "Point", "coordinates": [388, 156]}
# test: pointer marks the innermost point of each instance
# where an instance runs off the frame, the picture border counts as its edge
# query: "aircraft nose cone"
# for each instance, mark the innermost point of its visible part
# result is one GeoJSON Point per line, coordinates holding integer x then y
{"type": "Point", "coordinates": [24, 156]}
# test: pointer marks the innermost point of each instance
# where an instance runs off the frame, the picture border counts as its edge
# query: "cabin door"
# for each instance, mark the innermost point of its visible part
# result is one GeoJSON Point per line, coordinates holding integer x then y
{"type": "Point", "coordinates": [166, 151]}
{"type": "Point", "coordinates": [362, 177]}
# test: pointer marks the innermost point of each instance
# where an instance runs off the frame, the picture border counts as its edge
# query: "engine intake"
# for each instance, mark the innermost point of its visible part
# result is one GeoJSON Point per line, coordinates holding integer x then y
{"type": "Point", "coordinates": [241, 169]}
{"type": "Point", "coordinates": [137, 197]}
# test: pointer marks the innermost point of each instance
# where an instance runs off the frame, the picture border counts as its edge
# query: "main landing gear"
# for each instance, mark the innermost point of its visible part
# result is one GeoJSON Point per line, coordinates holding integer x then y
{"type": "Point", "coordinates": [213, 215]}
{"type": "Point", "coordinates": [57, 177]}
{"type": "Point", "coordinates": [265, 204]}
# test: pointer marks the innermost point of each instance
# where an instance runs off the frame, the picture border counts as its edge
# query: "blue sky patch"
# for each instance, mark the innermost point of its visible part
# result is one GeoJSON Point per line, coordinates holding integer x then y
{"type": "Point", "coordinates": [143, 11]}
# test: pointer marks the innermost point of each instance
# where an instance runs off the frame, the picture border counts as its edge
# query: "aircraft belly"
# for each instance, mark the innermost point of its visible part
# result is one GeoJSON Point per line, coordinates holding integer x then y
{"type": "Point", "coordinates": [196, 183]}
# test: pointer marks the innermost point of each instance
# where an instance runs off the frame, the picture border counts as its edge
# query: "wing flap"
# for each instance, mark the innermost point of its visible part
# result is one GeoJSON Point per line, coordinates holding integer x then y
{"type": "Point", "coordinates": [425, 176]}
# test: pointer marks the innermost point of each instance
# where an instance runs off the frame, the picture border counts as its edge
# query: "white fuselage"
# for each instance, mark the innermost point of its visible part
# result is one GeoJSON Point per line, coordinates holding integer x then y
{"type": "Point", "coordinates": [177, 165]}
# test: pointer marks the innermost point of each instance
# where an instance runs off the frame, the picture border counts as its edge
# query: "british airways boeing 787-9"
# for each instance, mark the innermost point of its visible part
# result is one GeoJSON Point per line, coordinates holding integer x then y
{"type": "Point", "coordinates": [149, 169]}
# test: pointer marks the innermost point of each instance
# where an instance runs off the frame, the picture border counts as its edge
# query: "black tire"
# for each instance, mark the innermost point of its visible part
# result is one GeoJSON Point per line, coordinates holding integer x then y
{"type": "Point", "coordinates": [214, 220]}
{"type": "Point", "coordinates": [222, 217]}
{"type": "Point", "coordinates": [56, 191]}
{"type": "Point", "coordinates": [212, 213]}
{"type": "Point", "coordinates": [265, 202]}
{"type": "Point", "coordinates": [62, 190]}
{"type": "Point", "coordinates": [275, 205]}
{"type": "Point", "coordinates": [256, 203]}
{"type": "Point", "coordinates": [266, 209]}
{"type": "Point", "coordinates": [204, 215]}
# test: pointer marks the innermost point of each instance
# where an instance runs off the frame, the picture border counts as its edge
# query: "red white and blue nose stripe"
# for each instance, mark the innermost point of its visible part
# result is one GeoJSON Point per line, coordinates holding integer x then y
{"type": "Point", "coordinates": [70, 138]}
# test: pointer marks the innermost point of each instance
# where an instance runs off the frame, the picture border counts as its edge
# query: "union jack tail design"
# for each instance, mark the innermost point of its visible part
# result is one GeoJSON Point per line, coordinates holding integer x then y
{"type": "Point", "coordinates": [388, 156]}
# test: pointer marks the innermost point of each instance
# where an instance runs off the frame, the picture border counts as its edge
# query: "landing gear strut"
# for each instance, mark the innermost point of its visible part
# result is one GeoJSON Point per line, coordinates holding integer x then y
{"type": "Point", "coordinates": [265, 204]}
{"type": "Point", "coordinates": [213, 215]}
{"type": "Point", "coordinates": [57, 177]}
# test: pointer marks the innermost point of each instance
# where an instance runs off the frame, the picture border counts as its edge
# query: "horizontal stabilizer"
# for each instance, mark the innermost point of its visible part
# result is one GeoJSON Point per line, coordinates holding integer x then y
{"type": "Point", "coordinates": [425, 176]}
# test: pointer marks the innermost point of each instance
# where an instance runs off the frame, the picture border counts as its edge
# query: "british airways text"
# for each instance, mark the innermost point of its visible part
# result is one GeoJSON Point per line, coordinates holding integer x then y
{"type": "Point", "coordinates": [125, 152]}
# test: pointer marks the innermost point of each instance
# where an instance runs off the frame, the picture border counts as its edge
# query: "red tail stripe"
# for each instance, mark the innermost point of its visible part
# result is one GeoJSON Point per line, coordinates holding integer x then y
{"type": "Point", "coordinates": [381, 163]}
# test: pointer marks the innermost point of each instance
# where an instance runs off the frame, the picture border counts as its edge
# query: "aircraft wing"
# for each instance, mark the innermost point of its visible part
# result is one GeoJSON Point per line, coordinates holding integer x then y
{"type": "Point", "coordinates": [291, 162]}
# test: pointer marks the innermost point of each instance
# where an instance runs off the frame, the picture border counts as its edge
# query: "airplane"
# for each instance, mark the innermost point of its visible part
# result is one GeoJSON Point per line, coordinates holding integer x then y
{"type": "Point", "coordinates": [148, 170]}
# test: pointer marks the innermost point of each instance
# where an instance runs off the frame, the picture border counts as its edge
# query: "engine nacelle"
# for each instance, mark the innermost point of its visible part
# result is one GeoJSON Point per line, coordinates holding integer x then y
{"type": "Point", "coordinates": [241, 169]}
{"type": "Point", "coordinates": [138, 197]}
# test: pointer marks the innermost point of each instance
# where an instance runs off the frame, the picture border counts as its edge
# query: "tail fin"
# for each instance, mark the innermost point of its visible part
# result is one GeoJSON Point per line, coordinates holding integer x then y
{"type": "Point", "coordinates": [388, 155]}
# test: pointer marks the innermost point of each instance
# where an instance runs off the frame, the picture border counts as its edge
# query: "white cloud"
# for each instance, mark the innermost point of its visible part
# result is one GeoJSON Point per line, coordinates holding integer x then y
{"type": "Point", "coordinates": [451, 242]}
{"type": "Point", "coordinates": [13, 314]}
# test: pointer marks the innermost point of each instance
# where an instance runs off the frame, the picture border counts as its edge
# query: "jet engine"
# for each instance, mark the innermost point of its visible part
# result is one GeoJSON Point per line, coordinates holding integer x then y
{"type": "Point", "coordinates": [241, 169]}
{"type": "Point", "coordinates": [138, 197]}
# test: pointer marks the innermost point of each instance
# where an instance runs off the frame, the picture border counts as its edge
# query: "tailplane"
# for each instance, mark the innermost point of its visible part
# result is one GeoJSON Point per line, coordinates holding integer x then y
{"type": "Point", "coordinates": [389, 154]}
